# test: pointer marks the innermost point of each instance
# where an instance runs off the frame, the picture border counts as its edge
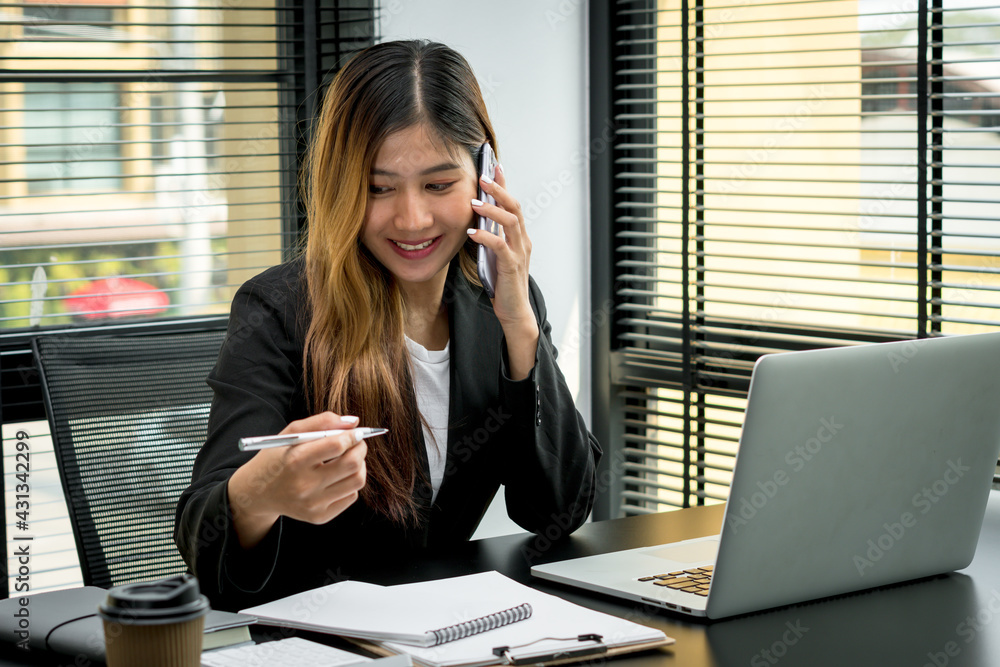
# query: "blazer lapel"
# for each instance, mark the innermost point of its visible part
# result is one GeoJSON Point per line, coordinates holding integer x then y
{"type": "Point", "coordinates": [475, 366]}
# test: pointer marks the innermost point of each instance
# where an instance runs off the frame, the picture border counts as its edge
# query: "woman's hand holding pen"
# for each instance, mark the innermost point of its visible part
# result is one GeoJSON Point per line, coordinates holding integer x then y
{"type": "Point", "coordinates": [312, 482]}
{"type": "Point", "coordinates": [511, 304]}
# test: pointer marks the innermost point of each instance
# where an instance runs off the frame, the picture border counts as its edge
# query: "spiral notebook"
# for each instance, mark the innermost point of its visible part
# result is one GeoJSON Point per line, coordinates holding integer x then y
{"type": "Point", "coordinates": [468, 621]}
{"type": "Point", "coordinates": [389, 613]}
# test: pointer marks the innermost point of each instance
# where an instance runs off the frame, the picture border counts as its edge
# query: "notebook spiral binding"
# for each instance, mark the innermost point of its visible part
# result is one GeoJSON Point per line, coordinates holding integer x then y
{"type": "Point", "coordinates": [481, 624]}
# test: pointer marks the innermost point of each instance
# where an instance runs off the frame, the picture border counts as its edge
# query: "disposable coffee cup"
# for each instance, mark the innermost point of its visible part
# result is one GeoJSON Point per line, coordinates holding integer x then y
{"type": "Point", "coordinates": [155, 624]}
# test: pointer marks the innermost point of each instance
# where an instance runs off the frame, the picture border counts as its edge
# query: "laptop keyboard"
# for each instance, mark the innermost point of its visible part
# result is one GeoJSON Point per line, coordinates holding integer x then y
{"type": "Point", "coordinates": [695, 580]}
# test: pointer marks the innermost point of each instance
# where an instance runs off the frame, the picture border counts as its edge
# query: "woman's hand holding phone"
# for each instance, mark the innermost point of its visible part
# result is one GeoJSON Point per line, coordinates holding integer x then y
{"type": "Point", "coordinates": [312, 482]}
{"type": "Point", "coordinates": [513, 252]}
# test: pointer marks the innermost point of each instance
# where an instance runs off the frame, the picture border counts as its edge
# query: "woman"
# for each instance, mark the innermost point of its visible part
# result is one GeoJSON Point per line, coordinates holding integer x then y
{"type": "Point", "coordinates": [383, 322]}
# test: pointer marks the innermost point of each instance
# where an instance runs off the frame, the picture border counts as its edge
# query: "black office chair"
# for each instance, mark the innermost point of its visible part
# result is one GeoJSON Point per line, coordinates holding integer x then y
{"type": "Point", "coordinates": [128, 415]}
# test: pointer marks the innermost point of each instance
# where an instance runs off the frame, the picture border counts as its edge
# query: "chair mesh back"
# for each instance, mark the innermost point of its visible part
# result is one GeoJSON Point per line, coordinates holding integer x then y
{"type": "Point", "coordinates": [128, 416]}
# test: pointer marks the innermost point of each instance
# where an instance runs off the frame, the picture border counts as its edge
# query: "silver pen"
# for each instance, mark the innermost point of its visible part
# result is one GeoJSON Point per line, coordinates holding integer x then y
{"type": "Point", "coordinates": [268, 441]}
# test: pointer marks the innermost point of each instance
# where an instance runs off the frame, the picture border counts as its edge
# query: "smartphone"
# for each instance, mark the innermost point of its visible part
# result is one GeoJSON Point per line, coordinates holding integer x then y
{"type": "Point", "coordinates": [487, 262]}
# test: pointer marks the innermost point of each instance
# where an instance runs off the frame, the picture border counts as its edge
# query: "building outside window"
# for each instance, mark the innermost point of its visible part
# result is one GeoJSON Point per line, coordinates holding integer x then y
{"type": "Point", "coordinates": [72, 137]}
{"type": "Point", "coordinates": [787, 175]}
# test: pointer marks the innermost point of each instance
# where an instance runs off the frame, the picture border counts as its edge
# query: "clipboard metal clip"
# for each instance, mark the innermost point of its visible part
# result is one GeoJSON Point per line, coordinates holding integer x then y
{"type": "Point", "coordinates": [594, 646]}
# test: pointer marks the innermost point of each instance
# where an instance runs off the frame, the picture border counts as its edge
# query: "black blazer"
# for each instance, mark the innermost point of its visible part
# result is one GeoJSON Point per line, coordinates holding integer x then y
{"type": "Point", "coordinates": [526, 435]}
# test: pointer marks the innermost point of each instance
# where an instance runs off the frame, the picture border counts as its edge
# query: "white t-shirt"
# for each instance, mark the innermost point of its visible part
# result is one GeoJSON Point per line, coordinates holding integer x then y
{"type": "Point", "coordinates": [432, 384]}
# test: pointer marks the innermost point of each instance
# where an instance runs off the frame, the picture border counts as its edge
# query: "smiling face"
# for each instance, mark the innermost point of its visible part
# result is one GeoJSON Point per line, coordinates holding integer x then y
{"type": "Point", "coordinates": [418, 207]}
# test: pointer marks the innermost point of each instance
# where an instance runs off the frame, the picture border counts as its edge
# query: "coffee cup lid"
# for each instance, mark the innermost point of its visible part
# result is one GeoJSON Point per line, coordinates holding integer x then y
{"type": "Point", "coordinates": [171, 600]}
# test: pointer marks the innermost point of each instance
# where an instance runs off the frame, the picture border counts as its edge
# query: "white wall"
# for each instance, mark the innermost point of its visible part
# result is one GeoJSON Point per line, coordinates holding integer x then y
{"type": "Point", "coordinates": [530, 57]}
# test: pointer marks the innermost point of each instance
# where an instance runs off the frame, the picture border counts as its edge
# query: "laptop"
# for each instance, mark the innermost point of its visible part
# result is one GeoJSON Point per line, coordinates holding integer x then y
{"type": "Point", "coordinates": [857, 467]}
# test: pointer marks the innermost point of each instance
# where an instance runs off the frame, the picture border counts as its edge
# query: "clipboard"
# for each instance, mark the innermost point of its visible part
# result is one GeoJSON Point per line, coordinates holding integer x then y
{"type": "Point", "coordinates": [570, 656]}
{"type": "Point", "coordinates": [558, 632]}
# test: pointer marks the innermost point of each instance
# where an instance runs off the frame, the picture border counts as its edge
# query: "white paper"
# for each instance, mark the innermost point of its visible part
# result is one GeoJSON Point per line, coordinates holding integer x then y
{"type": "Point", "coordinates": [552, 617]}
{"type": "Point", "coordinates": [408, 612]}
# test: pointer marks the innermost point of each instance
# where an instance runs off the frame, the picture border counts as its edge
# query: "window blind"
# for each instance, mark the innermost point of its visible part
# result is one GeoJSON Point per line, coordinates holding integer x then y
{"type": "Point", "coordinates": [150, 162]}
{"type": "Point", "coordinates": [151, 156]}
{"type": "Point", "coordinates": [786, 175]}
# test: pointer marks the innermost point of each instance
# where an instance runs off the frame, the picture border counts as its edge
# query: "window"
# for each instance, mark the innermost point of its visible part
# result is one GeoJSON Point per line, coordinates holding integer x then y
{"type": "Point", "coordinates": [110, 215]}
{"type": "Point", "coordinates": [150, 167]}
{"type": "Point", "coordinates": [784, 175]}
{"type": "Point", "coordinates": [72, 136]}
{"type": "Point", "coordinates": [71, 21]}
{"type": "Point", "coordinates": [151, 154]}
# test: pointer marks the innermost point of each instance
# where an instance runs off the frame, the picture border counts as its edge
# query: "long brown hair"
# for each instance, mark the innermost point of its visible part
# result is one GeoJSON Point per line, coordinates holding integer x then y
{"type": "Point", "coordinates": [355, 355]}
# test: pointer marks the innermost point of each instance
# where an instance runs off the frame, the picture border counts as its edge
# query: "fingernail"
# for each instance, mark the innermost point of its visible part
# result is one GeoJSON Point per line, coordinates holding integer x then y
{"type": "Point", "coordinates": [350, 419]}
{"type": "Point", "coordinates": [359, 434]}
{"type": "Point", "coordinates": [486, 178]}
{"type": "Point", "coordinates": [476, 202]}
{"type": "Point", "coordinates": [499, 167]}
{"type": "Point", "coordinates": [471, 231]}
